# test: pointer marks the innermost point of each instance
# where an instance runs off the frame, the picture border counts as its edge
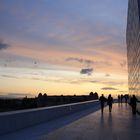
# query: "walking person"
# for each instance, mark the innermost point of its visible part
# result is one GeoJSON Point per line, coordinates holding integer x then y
{"type": "Point", "coordinates": [126, 97]}
{"type": "Point", "coordinates": [110, 102]}
{"type": "Point", "coordinates": [119, 99]}
{"type": "Point", "coordinates": [102, 100]}
{"type": "Point", "coordinates": [133, 103]}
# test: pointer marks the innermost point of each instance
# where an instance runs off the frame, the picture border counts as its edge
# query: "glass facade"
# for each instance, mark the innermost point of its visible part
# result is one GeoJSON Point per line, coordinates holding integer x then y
{"type": "Point", "coordinates": [133, 47]}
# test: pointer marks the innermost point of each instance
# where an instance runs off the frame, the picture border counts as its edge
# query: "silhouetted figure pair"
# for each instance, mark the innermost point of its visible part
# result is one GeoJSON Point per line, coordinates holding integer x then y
{"type": "Point", "coordinates": [110, 102]}
{"type": "Point", "coordinates": [133, 103]}
{"type": "Point", "coordinates": [102, 100]}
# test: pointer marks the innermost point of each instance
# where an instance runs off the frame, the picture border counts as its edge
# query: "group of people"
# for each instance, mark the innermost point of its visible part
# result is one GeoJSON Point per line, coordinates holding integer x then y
{"type": "Point", "coordinates": [133, 102]}
{"type": "Point", "coordinates": [121, 97]}
{"type": "Point", "coordinates": [109, 101]}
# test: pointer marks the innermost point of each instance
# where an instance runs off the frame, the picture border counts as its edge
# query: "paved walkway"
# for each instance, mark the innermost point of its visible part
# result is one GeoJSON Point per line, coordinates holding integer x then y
{"type": "Point", "coordinates": [118, 125]}
{"type": "Point", "coordinates": [36, 132]}
{"type": "Point", "coordinates": [86, 125]}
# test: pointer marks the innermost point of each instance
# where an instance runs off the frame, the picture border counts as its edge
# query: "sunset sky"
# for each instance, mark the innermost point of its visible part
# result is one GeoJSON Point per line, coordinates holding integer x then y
{"type": "Point", "coordinates": [63, 47]}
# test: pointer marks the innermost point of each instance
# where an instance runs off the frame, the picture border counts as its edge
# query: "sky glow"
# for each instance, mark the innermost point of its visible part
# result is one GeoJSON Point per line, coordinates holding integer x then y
{"type": "Point", "coordinates": [63, 47]}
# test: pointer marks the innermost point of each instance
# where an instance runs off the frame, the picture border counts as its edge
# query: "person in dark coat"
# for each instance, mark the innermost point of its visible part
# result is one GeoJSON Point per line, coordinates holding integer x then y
{"type": "Point", "coordinates": [133, 103]}
{"type": "Point", "coordinates": [126, 97]}
{"type": "Point", "coordinates": [110, 102]}
{"type": "Point", "coordinates": [102, 100]}
{"type": "Point", "coordinates": [119, 98]}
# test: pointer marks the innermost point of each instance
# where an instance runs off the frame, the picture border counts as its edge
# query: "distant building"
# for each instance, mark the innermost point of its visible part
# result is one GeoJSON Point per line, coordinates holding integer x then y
{"type": "Point", "coordinates": [133, 47]}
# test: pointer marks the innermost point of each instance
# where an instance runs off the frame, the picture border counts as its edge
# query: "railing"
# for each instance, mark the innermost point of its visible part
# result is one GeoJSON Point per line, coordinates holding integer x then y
{"type": "Point", "coordinates": [15, 120]}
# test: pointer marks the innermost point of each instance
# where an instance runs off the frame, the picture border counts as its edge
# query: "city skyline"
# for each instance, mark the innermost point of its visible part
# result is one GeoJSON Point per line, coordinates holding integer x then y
{"type": "Point", "coordinates": [63, 47]}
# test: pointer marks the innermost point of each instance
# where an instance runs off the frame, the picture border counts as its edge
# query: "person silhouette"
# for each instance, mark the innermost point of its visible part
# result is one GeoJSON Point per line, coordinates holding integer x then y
{"type": "Point", "coordinates": [126, 98]}
{"type": "Point", "coordinates": [102, 100]}
{"type": "Point", "coordinates": [110, 102]}
{"type": "Point", "coordinates": [119, 99]}
{"type": "Point", "coordinates": [133, 103]}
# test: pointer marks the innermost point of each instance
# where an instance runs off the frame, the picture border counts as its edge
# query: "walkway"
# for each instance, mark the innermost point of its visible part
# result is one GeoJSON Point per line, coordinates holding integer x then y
{"type": "Point", "coordinates": [118, 125]}
{"type": "Point", "coordinates": [86, 125]}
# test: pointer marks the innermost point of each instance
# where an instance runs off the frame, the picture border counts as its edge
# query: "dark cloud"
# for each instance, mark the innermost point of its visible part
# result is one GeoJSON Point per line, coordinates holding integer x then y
{"type": "Point", "coordinates": [107, 75]}
{"type": "Point", "coordinates": [87, 71]}
{"type": "Point", "coordinates": [111, 83]}
{"type": "Point", "coordinates": [93, 81]}
{"type": "Point", "coordinates": [87, 62]}
{"type": "Point", "coordinates": [9, 76]}
{"type": "Point", "coordinates": [123, 91]}
{"type": "Point", "coordinates": [81, 60]}
{"type": "Point", "coordinates": [109, 88]}
{"type": "Point", "coordinates": [3, 45]}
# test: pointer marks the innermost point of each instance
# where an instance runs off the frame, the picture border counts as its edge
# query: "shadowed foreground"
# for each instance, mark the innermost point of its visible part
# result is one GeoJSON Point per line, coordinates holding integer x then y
{"type": "Point", "coordinates": [85, 125]}
{"type": "Point", "coordinates": [118, 125]}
